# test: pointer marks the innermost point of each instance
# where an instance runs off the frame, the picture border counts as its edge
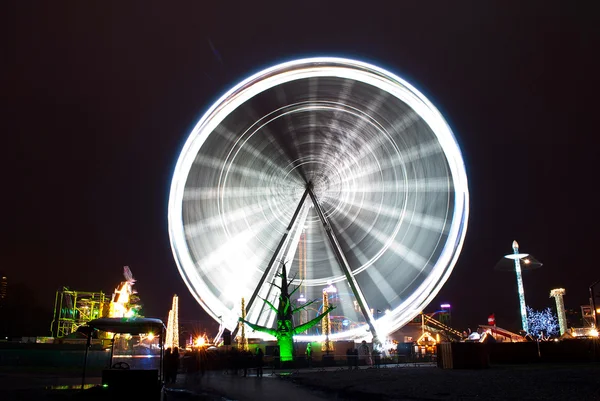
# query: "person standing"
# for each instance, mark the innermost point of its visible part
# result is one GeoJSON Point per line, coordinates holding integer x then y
{"type": "Point", "coordinates": [259, 362]}
{"type": "Point", "coordinates": [365, 354]}
{"type": "Point", "coordinates": [350, 358]}
{"type": "Point", "coordinates": [174, 364]}
{"type": "Point", "coordinates": [167, 362]}
{"type": "Point", "coordinates": [247, 361]}
{"type": "Point", "coordinates": [191, 362]}
{"type": "Point", "coordinates": [376, 358]}
{"type": "Point", "coordinates": [309, 355]}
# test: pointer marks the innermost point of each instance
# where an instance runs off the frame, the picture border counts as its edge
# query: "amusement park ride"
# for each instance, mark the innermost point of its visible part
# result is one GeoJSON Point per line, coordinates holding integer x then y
{"type": "Point", "coordinates": [73, 309]}
{"type": "Point", "coordinates": [333, 171]}
{"type": "Point", "coordinates": [337, 168]}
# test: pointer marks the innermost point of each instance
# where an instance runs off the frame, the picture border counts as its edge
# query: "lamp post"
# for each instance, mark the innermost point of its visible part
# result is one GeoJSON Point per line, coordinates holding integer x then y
{"type": "Point", "coordinates": [220, 332]}
{"type": "Point", "coordinates": [593, 304]}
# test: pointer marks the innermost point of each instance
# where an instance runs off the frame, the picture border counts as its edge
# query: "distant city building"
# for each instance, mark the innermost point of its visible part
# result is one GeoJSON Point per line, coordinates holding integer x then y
{"type": "Point", "coordinates": [3, 289]}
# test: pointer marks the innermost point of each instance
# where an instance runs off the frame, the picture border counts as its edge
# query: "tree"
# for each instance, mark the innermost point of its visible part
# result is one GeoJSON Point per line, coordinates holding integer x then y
{"type": "Point", "coordinates": [286, 330]}
{"type": "Point", "coordinates": [542, 324]}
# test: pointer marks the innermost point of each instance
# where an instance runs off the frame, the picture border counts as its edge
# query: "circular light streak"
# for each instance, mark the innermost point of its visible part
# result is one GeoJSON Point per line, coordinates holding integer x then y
{"type": "Point", "coordinates": [385, 167]}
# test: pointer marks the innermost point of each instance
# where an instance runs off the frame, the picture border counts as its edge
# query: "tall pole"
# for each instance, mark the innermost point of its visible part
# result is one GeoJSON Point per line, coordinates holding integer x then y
{"type": "Point", "coordinates": [327, 346]}
{"type": "Point", "coordinates": [302, 273]}
{"type": "Point", "coordinates": [243, 343]}
{"type": "Point", "coordinates": [175, 321]}
{"type": "Point", "coordinates": [521, 290]}
{"type": "Point", "coordinates": [593, 304]}
{"type": "Point", "coordinates": [88, 343]}
{"type": "Point", "coordinates": [169, 339]}
{"type": "Point", "coordinates": [558, 293]}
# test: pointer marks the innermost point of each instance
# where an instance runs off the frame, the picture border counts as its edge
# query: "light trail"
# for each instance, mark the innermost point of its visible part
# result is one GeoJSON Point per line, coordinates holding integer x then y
{"type": "Point", "coordinates": [383, 163]}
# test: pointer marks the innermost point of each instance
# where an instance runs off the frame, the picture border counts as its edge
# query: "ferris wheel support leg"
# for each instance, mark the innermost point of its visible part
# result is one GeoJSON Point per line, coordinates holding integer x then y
{"type": "Point", "coordinates": [345, 266]}
{"type": "Point", "coordinates": [274, 257]}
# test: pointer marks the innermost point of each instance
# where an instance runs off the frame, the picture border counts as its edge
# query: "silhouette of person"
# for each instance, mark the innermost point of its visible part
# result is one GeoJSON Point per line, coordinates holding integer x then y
{"type": "Point", "coordinates": [365, 353]}
{"type": "Point", "coordinates": [235, 360]}
{"type": "Point", "coordinates": [191, 362]}
{"type": "Point", "coordinates": [167, 361]}
{"type": "Point", "coordinates": [350, 357]}
{"type": "Point", "coordinates": [247, 361]}
{"type": "Point", "coordinates": [174, 364]}
{"type": "Point", "coordinates": [259, 362]}
{"type": "Point", "coordinates": [309, 354]}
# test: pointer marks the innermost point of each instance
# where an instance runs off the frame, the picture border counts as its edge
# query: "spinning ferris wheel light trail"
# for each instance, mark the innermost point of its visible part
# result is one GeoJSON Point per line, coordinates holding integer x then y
{"type": "Point", "coordinates": [388, 194]}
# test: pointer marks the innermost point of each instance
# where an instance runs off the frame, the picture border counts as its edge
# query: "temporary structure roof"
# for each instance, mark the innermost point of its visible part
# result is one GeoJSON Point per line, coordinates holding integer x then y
{"type": "Point", "coordinates": [127, 325]}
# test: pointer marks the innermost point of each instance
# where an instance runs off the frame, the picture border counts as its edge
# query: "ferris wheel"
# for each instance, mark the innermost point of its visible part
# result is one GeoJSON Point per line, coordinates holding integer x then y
{"type": "Point", "coordinates": [335, 167]}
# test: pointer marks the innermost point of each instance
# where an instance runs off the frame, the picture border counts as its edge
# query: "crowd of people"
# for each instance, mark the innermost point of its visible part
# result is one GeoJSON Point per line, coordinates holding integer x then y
{"type": "Point", "coordinates": [195, 363]}
{"type": "Point", "coordinates": [362, 355]}
{"type": "Point", "coordinates": [242, 361]}
{"type": "Point", "coordinates": [238, 362]}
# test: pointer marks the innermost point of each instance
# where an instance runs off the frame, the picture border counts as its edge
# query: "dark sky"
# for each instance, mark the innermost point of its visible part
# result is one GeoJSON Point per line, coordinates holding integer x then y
{"type": "Point", "coordinates": [99, 97]}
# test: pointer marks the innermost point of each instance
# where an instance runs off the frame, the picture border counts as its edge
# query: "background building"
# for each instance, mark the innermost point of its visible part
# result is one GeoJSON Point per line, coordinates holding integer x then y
{"type": "Point", "coordinates": [3, 288]}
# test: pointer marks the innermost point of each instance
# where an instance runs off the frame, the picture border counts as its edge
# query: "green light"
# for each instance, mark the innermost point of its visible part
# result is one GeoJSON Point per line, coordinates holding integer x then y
{"type": "Point", "coordinates": [105, 385]}
{"type": "Point", "coordinates": [285, 327]}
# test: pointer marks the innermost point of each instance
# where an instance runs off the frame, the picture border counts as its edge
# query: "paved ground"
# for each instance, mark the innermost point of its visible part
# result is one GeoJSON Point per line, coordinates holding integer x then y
{"type": "Point", "coordinates": [40, 386]}
{"type": "Point", "coordinates": [267, 388]}
{"type": "Point", "coordinates": [273, 386]}
{"type": "Point", "coordinates": [524, 382]}
{"type": "Point", "coordinates": [533, 382]}
{"type": "Point", "coordinates": [425, 382]}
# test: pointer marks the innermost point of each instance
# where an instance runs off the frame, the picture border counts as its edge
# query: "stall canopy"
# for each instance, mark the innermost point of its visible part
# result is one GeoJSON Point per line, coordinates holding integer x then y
{"type": "Point", "coordinates": [127, 325]}
{"type": "Point", "coordinates": [513, 337]}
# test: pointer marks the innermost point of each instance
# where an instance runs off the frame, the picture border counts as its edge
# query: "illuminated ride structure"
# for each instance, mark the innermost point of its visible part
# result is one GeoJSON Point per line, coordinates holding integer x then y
{"type": "Point", "coordinates": [517, 262]}
{"type": "Point", "coordinates": [124, 301]}
{"type": "Point", "coordinates": [172, 334]}
{"type": "Point", "coordinates": [336, 168]}
{"type": "Point", "coordinates": [558, 294]}
{"type": "Point", "coordinates": [75, 308]}
{"type": "Point", "coordinates": [446, 332]}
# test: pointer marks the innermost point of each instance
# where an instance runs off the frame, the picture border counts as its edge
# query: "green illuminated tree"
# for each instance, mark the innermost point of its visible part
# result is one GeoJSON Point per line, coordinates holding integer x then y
{"type": "Point", "coordinates": [285, 330]}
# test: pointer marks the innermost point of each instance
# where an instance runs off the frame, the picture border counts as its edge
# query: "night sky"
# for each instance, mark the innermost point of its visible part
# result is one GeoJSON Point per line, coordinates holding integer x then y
{"type": "Point", "coordinates": [99, 97]}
